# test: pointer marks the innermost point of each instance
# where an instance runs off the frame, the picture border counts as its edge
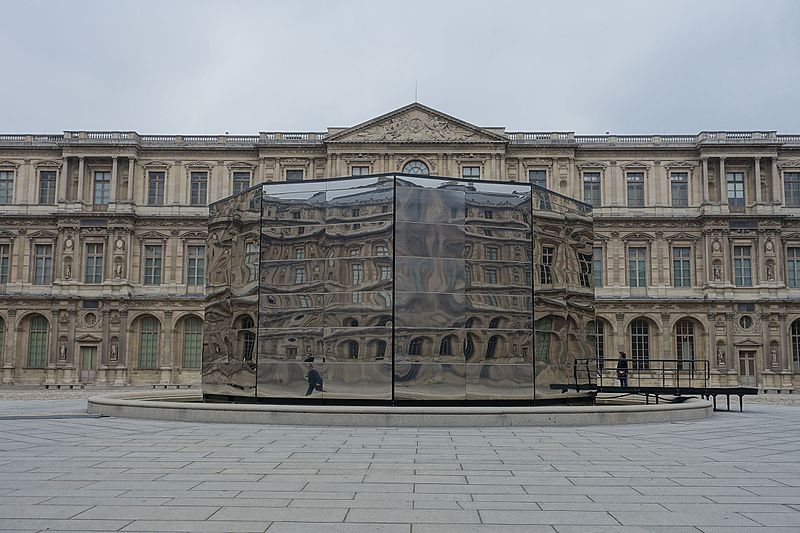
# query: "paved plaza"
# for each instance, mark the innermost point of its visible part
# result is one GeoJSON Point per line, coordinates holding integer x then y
{"type": "Point", "coordinates": [63, 470]}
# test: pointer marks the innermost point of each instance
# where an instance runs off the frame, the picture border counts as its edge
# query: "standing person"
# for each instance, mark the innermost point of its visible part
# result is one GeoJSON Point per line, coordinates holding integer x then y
{"type": "Point", "coordinates": [622, 369]}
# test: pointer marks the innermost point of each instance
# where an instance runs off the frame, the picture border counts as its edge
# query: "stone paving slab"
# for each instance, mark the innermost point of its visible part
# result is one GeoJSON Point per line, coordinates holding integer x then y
{"type": "Point", "coordinates": [736, 473]}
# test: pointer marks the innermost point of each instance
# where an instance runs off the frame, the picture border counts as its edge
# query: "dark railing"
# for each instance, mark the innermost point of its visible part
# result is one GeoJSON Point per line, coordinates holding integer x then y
{"type": "Point", "coordinates": [593, 372]}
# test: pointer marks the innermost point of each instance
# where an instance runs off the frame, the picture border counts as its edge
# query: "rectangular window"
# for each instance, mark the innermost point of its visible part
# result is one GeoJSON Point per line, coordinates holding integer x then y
{"type": "Point", "coordinates": [637, 267]}
{"type": "Point", "coordinates": [43, 264]}
{"type": "Point", "coordinates": [488, 214]}
{"type": "Point", "coordinates": [354, 252]}
{"type": "Point", "coordinates": [6, 186]}
{"type": "Point", "coordinates": [102, 187]}
{"type": "Point", "coordinates": [491, 275]}
{"type": "Point", "coordinates": [382, 250]}
{"type": "Point", "coordinates": [735, 182]}
{"type": "Point", "coordinates": [155, 188]}
{"type": "Point", "coordinates": [386, 272]}
{"type": "Point", "coordinates": [591, 188]}
{"type": "Point", "coordinates": [792, 266]}
{"type": "Point", "coordinates": [152, 265]}
{"type": "Point", "coordinates": [5, 263]}
{"type": "Point", "coordinates": [358, 274]}
{"type": "Point", "coordinates": [299, 275]}
{"type": "Point", "coordinates": [680, 189]}
{"type": "Point", "coordinates": [681, 267]}
{"type": "Point", "coordinates": [305, 301]}
{"type": "Point", "coordinates": [199, 188]}
{"type": "Point", "coordinates": [546, 266]}
{"type": "Point", "coordinates": [241, 182]}
{"type": "Point", "coordinates": [538, 177]}
{"type": "Point", "coordinates": [742, 267]}
{"type": "Point", "coordinates": [471, 172]}
{"type": "Point", "coordinates": [492, 253]}
{"type": "Point", "coordinates": [359, 170]}
{"type": "Point", "coordinates": [299, 252]}
{"type": "Point", "coordinates": [791, 188]}
{"type": "Point", "coordinates": [597, 266]}
{"type": "Point", "coordinates": [295, 174]}
{"type": "Point", "coordinates": [635, 182]}
{"type": "Point", "coordinates": [94, 263]}
{"type": "Point", "coordinates": [196, 265]}
{"type": "Point", "coordinates": [47, 187]}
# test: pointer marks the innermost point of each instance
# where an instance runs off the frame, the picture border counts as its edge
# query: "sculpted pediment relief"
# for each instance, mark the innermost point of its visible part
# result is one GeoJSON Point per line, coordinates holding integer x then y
{"type": "Point", "coordinates": [416, 123]}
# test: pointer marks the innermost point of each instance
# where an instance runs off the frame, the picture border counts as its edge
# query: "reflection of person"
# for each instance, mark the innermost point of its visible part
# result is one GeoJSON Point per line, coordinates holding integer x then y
{"type": "Point", "coordinates": [622, 369]}
{"type": "Point", "coordinates": [314, 377]}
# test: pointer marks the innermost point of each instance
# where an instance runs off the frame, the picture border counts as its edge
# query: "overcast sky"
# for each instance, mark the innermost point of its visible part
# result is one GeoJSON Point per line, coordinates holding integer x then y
{"type": "Point", "coordinates": [288, 65]}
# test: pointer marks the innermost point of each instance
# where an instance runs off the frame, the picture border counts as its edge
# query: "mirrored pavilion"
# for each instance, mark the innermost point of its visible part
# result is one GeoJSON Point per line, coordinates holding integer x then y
{"type": "Point", "coordinates": [396, 288]}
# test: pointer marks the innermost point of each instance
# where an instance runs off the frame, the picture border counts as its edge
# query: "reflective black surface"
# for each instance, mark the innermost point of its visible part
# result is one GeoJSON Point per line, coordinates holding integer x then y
{"type": "Point", "coordinates": [397, 288]}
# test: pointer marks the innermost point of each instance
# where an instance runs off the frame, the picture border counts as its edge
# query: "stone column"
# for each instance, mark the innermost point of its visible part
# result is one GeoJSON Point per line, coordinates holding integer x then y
{"type": "Point", "coordinates": [81, 171]}
{"type": "Point", "coordinates": [10, 354]}
{"type": "Point", "coordinates": [777, 190]}
{"type": "Point", "coordinates": [704, 179]}
{"type": "Point", "coordinates": [63, 182]}
{"type": "Point", "coordinates": [757, 172]}
{"type": "Point", "coordinates": [114, 171]}
{"type": "Point", "coordinates": [723, 179]}
{"type": "Point", "coordinates": [131, 165]}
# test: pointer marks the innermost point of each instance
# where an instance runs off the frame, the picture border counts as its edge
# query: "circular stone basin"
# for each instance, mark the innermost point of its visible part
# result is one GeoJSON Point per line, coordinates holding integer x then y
{"type": "Point", "coordinates": [188, 406]}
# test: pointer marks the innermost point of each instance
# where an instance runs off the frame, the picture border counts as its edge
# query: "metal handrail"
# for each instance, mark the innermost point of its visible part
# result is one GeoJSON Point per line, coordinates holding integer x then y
{"type": "Point", "coordinates": [666, 371]}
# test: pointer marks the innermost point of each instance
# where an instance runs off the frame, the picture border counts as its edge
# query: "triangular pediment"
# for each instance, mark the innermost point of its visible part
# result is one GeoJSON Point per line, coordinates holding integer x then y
{"type": "Point", "coordinates": [88, 337]}
{"type": "Point", "coordinates": [416, 123]}
{"type": "Point", "coordinates": [747, 342]}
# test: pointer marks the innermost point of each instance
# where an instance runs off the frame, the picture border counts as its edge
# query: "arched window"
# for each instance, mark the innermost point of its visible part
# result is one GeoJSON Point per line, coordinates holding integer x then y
{"type": "Point", "coordinates": [640, 344]}
{"type": "Point", "coordinates": [192, 342]}
{"type": "Point", "coordinates": [37, 342]}
{"type": "Point", "coordinates": [246, 337]}
{"type": "Point", "coordinates": [148, 342]}
{"type": "Point", "coordinates": [384, 320]}
{"type": "Point", "coordinates": [542, 331]}
{"type": "Point", "coordinates": [684, 344]}
{"type": "Point", "coordinates": [416, 167]}
{"type": "Point", "coordinates": [351, 323]}
{"type": "Point", "coordinates": [352, 350]}
{"type": "Point", "coordinates": [491, 347]}
{"type": "Point", "coordinates": [415, 346]}
{"type": "Point", "coordinates": [2, 336]}
{"type": "Point", "coordinates": [380, 350]}
{"type": "Point", "coordinates": [796, 344]}
{"type": "Point", "coordinates": [596, 336]}
{"type": "Point", "coordinates": [446, 346]}
{"type": "Point", "coordinates": [494, 323]}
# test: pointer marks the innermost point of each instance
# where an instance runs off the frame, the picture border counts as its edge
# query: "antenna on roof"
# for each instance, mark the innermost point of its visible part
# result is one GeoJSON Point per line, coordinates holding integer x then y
{"type": "Point", "coordinates": [415, 92]}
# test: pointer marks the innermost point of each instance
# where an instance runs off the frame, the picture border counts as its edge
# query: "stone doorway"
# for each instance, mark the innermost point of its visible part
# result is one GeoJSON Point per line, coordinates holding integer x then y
{"type": "Point", "coordinates": [747, 368]}
{"type": "Point", "coordinates": [88, 364]}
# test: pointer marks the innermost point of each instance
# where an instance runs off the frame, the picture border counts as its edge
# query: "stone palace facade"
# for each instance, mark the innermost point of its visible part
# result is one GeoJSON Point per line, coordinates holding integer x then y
{"type": "Point", "coordinates": [102, 235]}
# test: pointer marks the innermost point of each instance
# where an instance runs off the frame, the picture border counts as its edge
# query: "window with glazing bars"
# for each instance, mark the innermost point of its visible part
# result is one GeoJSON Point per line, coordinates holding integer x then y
{"type": "Point", "coordinates": [635, 181]}
{"type": "Point", "coordinates": [446, 347]}
{"type": "Point", "coordinates": [251, 260]}
{"type": "Point", "coordinates": [294, 174]}
{"type": "Point", "coordinates": [102, 187]}
{"type": "Point", "coordinates": [491, 275]}
{"type": "Point", "coordinates": [199, 188]}
{"type": "Point", "coordinates": [299, 252]}
{"type": "Point", "coordinates": [196, 265]}
{"type": "Point", "coordinates": [358, 274]}
{"type": "Point", "coordinates": [5, 262]}
{"type": "Point", "coordinates": [640, 344]}
{"type": "Point", "coordinates": [471, 172]}
{"type": "Point", "coordinates": [299, 275]}
{"type": "Point", "coordinates": [155, 188]}
{"type": "Point", "coordinates": [595, 332]}
{"type": "Point", "coordinates": [386, 272]}
{"type": "Point", "coordinates": [542, 333]}
{"type": "Point", "coordinates": [585, 274]}
{"type": "Point", "coordinates": [792, 266]}
{"type": "Point", "coordinates": [591, 188]}
{"type": "Point", "coordinates": [491, 253]}
{"type": "Point", "coordinates": [742, 267]}
{"type": "Point", "coordinates": [791, 188]}
{"type": "Point", "coordinates": [795, 333]}
{"type": "Point", "coordinates": [6, 186]}
{"type": "Point", "coordinates": [538, 177]}
{"type": "Point", "coordinates": [546, 266]}
{"type": "Point", "coordinates": [43, 264]}
{"type": "Point", "coordinates": [37, 342]}
{"type": "Point", "coordinates": [94, 263]}
{"type": "Point", "coordinates": [47, 187]}
{"type": "Point", "coordinates": [637, 267]}
{"type": "Point", "coordinates": [735, 181]}
{"type": "Point", "coordinates": [148, 342]}
{"type": "Point", "coordinates": [684, 344]}
{"type": "Point", "coordinates": [681, 267]}
{"type": "Point", "coordinates": [680, 189]}
{"type": "Point", "coordinates": [152, 265]}
{"type": "Point", "coordinates": [241, 182]}
{"type": "Point", "coordinates": [382, 250]}
{"type": "Point", "coordinates": [359, 170]}
{"type": "Point", "coordinates": [192, 343]}
{"type": "Point", "coordinates": [597, 266]}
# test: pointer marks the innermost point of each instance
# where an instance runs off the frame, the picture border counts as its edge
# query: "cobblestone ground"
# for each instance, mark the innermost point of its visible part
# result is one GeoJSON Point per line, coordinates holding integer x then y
{"type": "Point", "coordinates": [61, 469]}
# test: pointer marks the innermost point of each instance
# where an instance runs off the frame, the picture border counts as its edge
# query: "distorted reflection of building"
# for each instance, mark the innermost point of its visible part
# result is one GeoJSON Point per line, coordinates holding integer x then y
{"type": "Point", "coordinates": [395, 287]}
